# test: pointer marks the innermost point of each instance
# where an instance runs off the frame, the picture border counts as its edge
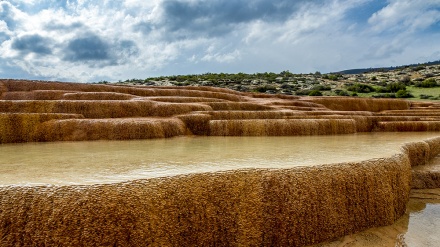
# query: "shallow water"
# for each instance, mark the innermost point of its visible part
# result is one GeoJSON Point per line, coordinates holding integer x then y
{"type": "Point", "coordinates": [114, 161]}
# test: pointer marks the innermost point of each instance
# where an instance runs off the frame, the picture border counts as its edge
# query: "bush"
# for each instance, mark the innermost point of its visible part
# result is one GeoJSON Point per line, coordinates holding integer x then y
{"type": "Point", "coordinates": [395, 87]}
{"type": "Point", "coordinates": [315, 93]}
{"type": "Point", "coordinates": [303, 92]}
{"type": "Point", "coordinates": [405, 80]}
{"type": "Point", "coordinates": [431, 82]}
{"type": "Point", "coordinates": [322, 88]}
{"type": "Point", "coordinates": [264, 88]}
{"type": "Point", "coordinates": [361, 88]}
{"type": "Point", "coordinates": [425, 96]}
{"type": "Point", "coordinates": [404, 94]}
{"type": "Point", "coordinates": [333, 77]}
{"type": "Point", "coordinates": [342, 93]}
{"type": "Point", "coordinates": [384, 95]}
{"type": "Point", "coordinates": [418, 68]}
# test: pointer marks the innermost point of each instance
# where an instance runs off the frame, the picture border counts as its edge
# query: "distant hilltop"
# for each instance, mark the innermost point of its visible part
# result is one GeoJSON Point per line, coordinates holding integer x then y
{"type": "Point", "coordinates": [417, 81]}
{"type": "Point", "coordinates": [384, 69]}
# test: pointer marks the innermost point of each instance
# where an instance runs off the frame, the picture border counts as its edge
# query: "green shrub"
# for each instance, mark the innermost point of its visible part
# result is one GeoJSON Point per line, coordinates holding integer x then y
{"type": "Point", "coordinates": [264, 88]}
{"type": "Point", "coordinates": [392, 87]}
{"type": "Point", "coordinates": [322, 88]}
{"type": "Point", "coordinates": [405, 80]}
{"type": "Point", "coordinates": [342, 93]}
{"type": "Point", "coordinates": [425, 96]}
{"type": "Point", "coordinates": [303, 92]}
{"type": "Point", "coordinates": [404, 94]}
{"type": "Point", "coordinates": [431, 82]}
{"type": "Point", "coordinates": [361, 88]}
{"type": "Point", "coordinates": [396, 86]}
{"type": "Point", "coordinates": [315, 93]}
{"type": "Point", "coordinates": [384, 95]}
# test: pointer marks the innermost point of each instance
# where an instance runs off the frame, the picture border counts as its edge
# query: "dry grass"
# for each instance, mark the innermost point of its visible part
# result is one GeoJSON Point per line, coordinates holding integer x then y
{"type": "Point", "coordinates": [290, 207]}
{"type": "Point", "coordinates": [285, 127]}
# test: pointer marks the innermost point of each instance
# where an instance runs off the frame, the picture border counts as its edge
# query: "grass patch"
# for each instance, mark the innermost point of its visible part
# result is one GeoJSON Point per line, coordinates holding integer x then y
{"type": "Point", "coordinates": [418, 91]}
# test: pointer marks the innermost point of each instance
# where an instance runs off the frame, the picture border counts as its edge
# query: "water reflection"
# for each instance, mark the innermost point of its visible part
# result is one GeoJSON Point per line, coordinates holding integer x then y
{"type": "Point", "coordinates": [114, 161]}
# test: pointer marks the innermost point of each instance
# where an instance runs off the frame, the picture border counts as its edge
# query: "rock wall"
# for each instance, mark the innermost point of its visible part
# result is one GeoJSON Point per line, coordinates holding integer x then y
{"type": "Point", "coordinates": [286, 207]}
{"type": "Point", "coordinates": [279, 207]}
{"type": "Point", "coordinates": [140, 112]}
{"type": "Point", "coordinates": [420, 154]}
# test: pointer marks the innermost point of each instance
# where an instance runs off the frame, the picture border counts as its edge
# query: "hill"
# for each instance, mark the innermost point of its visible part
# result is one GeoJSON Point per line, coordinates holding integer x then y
{"type": "Point", "coordinates": [413, 80]}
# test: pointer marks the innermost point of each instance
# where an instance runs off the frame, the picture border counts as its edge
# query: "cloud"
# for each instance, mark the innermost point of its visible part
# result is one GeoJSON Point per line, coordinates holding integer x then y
{"type": "Point", "coordinates": [8, 15]}
{"type": "Point", "coordinates": [406, 15]}
{"type": "Point", "coordinates": [55, 26]}
{"type": "Point", "coordinates": [32, 43]}
{"type": "Point", "coordinates": [87, 48]}
{"type": "Point", "coordinates": [185, 19]}
{"type": "Point", "coordinates": [85, 40]}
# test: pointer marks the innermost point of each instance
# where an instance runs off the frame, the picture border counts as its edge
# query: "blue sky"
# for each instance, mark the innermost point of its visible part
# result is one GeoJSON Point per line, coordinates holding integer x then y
{"type": "Point", "coordinates": [89, 41]}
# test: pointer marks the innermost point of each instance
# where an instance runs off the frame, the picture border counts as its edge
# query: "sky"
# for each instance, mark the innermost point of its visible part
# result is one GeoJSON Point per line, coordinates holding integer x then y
{"type": "Point", "coordinates": [91, 41]}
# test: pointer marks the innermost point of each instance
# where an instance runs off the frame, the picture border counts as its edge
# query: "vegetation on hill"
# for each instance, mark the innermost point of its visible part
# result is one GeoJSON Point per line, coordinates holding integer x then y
{"type": "Point", "coordinates": [414, 82]}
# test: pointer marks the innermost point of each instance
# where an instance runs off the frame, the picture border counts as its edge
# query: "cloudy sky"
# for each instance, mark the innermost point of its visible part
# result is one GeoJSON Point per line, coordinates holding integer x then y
{"type": "Point", "coordinates": [87, 41]}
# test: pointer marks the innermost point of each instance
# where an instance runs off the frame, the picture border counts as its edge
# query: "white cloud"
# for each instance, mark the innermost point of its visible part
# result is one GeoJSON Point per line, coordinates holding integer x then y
{"type": "Point", "coordinates": [406, 15]}
{"type": "Point", "coordinates": [92, 40]}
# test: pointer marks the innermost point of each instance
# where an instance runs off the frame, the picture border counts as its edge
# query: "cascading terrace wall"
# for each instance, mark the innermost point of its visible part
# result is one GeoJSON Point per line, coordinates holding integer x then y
{"type": "Point", "coordinates": [264, 207]}
{"type": "Point", "coordinates": [279, 207]}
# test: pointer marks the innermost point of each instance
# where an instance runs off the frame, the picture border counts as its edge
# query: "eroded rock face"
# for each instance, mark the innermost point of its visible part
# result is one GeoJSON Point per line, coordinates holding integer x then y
{"type": "Point", "coordinates": [278, 207]}
{"type": "Point", "coordinates": [285, 207]}
{"type": "Point", "coordinates": [33, 111]}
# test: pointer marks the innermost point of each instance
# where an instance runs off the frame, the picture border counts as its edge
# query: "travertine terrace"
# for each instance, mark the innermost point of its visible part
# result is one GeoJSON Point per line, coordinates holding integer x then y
{"type": "Point", "coordinates": [264, 207]}
{"type": "Point", "coordinates": [49, 111]}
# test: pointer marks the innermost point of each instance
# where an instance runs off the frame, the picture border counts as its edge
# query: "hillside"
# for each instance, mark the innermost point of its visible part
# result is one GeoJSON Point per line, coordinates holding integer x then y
{"type": "Point", "coordinates": [376, 83]}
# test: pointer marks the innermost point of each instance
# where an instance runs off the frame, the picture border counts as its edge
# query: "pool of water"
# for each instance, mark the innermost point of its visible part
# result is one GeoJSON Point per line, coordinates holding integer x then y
{"type": "Point", "coordinates": [64, 163]}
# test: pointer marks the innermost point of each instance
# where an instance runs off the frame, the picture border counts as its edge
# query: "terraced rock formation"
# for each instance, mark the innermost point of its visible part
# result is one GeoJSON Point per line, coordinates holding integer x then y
{"type": "Point", "coordinates": [271, 207]}
{"type": "Point", "coordinates": [49, 111]}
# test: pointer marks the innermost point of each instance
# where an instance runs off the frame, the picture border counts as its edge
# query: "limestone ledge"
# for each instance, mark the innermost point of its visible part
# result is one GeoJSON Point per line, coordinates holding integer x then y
{"type": "Point", "coordinates": [264, 207]}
